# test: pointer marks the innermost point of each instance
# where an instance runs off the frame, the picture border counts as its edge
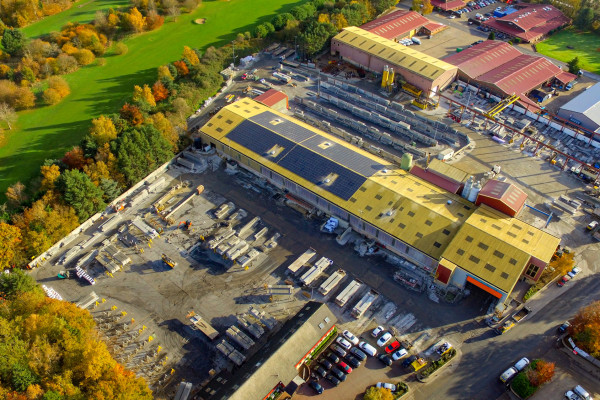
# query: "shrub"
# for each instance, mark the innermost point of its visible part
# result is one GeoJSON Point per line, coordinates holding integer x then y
{"type": "Point", "coordinates": [121, 49]}
{"type": "Point", "coordinates": [532, 290]}
{"type": "Point", "coordinates": [84, 57]}
{"type": "Point", "coordinates": [101, 62]}
{"type": "Point", "coordinates": [51, 96]}
{"type": "Point", "coordinates": [522, 386]}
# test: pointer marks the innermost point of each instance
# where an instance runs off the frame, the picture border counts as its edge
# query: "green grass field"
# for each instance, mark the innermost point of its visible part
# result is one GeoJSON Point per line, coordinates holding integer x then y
{"type": "Point", "coordinates": [586, 46]}
{"type": "Point", "coordinates": [81, 11]}
{"type": "Point", "coordinates": [49, 131]}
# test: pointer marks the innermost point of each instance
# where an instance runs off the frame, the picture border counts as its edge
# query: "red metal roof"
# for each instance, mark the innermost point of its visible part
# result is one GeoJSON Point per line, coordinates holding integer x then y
{"type": "Point", "coordinates": [507, 193]}
{"type": "Point", "coordinates": [566, 77]}
{"type": "Point", "coordinates": [396, 24]}
{"type": "Point", "coordinates": [444, 183]}
{"type": "Point", "coordinates": [530, 22]}
{"type": "Point", "coordinates": [448, 5]}
{"type": "Point", "coordinates": [271, 97]}
{"type": "Point", "coordinates": [434, 27]}
{"type": "Point", "coordinates": [483, 57]}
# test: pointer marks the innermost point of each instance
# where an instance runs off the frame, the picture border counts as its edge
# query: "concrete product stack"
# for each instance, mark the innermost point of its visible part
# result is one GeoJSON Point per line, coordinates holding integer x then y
{"type": "Point", "coordinates": [184, 390]}
{"type": "Point", "coordinates": [82, 274]}
{"type": "Point", "coordinates": [301, 261]}
{"type": "Point", "coordinates": [253, 329]}
{"type": "Point", "coordinates": [107, 262]}
{"type": "Point", "coordinates": [145, 228]}
{"type": "Point", "coordinates": [204, 327]}
{"type": "Point", "coordinates": [246, 259]}
{"type": "Point", "coordinates": [349, 291]}
{"type": "Point", "coordinates": [224, 234]}
{"type": "Point", "coordinates": [282, 77]}
{"type": "Point", "coordinates": [249, 226]}
{"type": "Point", "coordinates": [138, 198]}
{"type": "Point", "coordinates": [235, 334]}
{"type": "Point", "coordinates": [223, 210]}
{"type": "Point", "coordinates": [237, 250]}
{"type": "Point", "coordinates": [258, 235]}
{"type": "Point", "coordinates": [272, 242]}
{"type": "Point", "coordinates": [185, 163]}
{"type": "Point", "coordinates": [53, 294]}
{"type": "Point", "coordinates": [226, 245]}
{"type": "Point", "coordinates": [267, 320]}
{"type": "Point", "coordinates": [157, 185]}
{"type": "Point", "coordinates": [88, 300]}
{"type": "Point", "coordinates": [69, 255]}
{"type": "Point", "coordinates": [332, 282]}
{"type": "Point", "coordinates": [363, 304]}
{"type": "Point", "coordinates": [110, 223]}
{"type": "Point", "coordinates": [314, 272]}
{"type": "Point", "coordinates": [229, 351]}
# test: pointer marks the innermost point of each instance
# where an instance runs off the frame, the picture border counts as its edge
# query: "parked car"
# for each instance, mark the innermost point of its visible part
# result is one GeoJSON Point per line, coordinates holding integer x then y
{"type": "Point", "coordinates": [321, 371]}
{"type": "Point", "coordinates": [385, 359]}
{"type": "Point", "coordinates": [570, 85]}
{"type": "Point", "coordinates": [592, 224]}
{"type": "Point", "coordinates": [384, 385]}
{"type": "Point", "coordinates": [377, 331]}
{"type": "Point", "coordinates": [561, 282]}
{"type": "Point", "coordinates": [582, 393]}
{"type": "Point", "coordinates": [563, 328]}
{"type": "Point", "coordinates": [367, 348]}
{"type": "Point", "coordinates": [452, 16]}
{"type": "Point", "coordinates": [344, 343]}
{"type": "Point", "coordinates": [521, 364]}
{"type": "Point", "coordinates": [384, 339]}
{"type": "Point", "coordinates": [344, 367]}
{"type": "Point", "coordinates": [316, 387]}
{"type": "Point", "coordinates": [443, 348]}
{"type": "Point", "coordinates": [392, 346]}
{"type": "Point", "coordinates": [406, 363]}
{"type": "Point", "coordinates": [399, 354]}
{"type": "Point", "coordinates": [334, 381]}
{"type": "Point", "coordinates": [350, 337]}
{"type": "Point", "coordinates": [326, 364]}
{"type": "Point", "coordinates": [353, 361]}
{"type": "Point", "coordinates": [335, 371]}
{"type": "Point", "coordinates": [508, 374]}
{"type": "Point", "coordinates": [574, 272]}
{"type": "Point", "coordinates": [333, 358]}
{"type": "Point", "coordinates": [338, 350]}
{"type": "Point", "coordinates": [570, 395]}
{"type": "Point", "coordinates": [358, 353]}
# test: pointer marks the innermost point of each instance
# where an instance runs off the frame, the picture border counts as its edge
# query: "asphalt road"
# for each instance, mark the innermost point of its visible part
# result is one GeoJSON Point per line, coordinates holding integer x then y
{"type": "Point", "coordinates": [486, 356]}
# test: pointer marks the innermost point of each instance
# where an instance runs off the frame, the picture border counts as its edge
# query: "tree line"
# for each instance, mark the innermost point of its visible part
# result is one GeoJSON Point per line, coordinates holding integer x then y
{"type": "Point", "coordinates": [584, 13]}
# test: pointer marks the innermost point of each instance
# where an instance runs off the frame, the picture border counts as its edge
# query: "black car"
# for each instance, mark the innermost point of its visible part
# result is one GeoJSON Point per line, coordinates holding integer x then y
{"type": "Point", "coordinates": [338, 374]}
{"type": "Point", "coordinates": [385, 359]}
{"type": "Point", "coordinates": [326, 364]}
{"type": "Point", "coordinates": [563, 328]}
{"type": "Point", "coordinates": [315, 385]}
{"type": "Point", "coordinates": [358, 353]}
{"type": "Point", "coordinates": [334, 381]}
{"type": "Point", "coordinates": [352, 361]}
{"type": "Point", "coordinates": [321, 371]}
{"type": "Point", "coordinates": [333, 358]}
{"type": "Point", "coordinates": [406, 363]}
{"type": "Point", "coordinates": [338, 350]}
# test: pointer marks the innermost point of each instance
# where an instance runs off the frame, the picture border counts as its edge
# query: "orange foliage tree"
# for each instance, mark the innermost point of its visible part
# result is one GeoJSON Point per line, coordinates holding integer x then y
{"type": "Point", "coordinates": [542, 373]}
{"type": "Point", "coordinates": [75, 159]}
{"type": "Point", "coordinates": [159, 91]}
{"type": "Point", "coordinates": [132, 114]}
{"type": "Point", "coordinates": [182, 68]}
{"type": "Point", "coordinates": [585, 328]}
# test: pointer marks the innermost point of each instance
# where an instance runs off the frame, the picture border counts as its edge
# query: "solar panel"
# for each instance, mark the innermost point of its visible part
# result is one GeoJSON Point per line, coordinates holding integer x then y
{"type": "Point", "coordinates": [285, 128]}
{"type": "Point", "coordinates": [259, 140]}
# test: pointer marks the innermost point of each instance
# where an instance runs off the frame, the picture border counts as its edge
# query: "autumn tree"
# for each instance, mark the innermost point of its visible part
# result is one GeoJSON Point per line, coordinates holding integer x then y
{"type": "Point", "coordinates": [132, 114]}
{"type": "Point", "coordinates": [16, 194]}
{"type": "Point", "coordinates": [417, 5]}
{"type": "Point", "coordinates": [154, 20]}
{"type": "Point", "coordinates": [585, 328]}
{"type": "Point", "coordinates": [182, 68]}
{"type": "Point", "coordinates": [10, 237]}
{"type": "Point", "coordinates": [165, 127]}
{"type": "Point", "coordinates": [60, 85]}
{"type": "Point", "coordinates": [133, 21]}
{"type": "Point", "coordinates": [164, 73]}
{"type": "Point", "coordinates": [81, 193]}
{"type": "Point", "coordinates": [121, 49]}
{"type": "Point", "coordinates": [50, 174]}
{"type": "Point", "coordinates": [103, 130]}
{"type": "Point", "coordinates": [97, 171]}
{"type": "Point", "coordinates": [427, 7]}
{"type": "Point", "coordinates": [159, 92]}
{"type": "Point", "coordinates": [542, 373]}
{"type": "Point", "coordinates": [375, 393]}
{"type": "Point", "coordinates": [51, 96]}
{"type": "Point", "coordinates": [84, 57]}
{"type": "Point", "coordinates": [14, 96]}
{"type": "Point", "coordinates": [190, 56]}
{"type": "Point", "coordinates": [75, 159]}
{"type": "Point", "coordinates": [8, 115]}
{"type": "Point", "coordinates": [563, 264]}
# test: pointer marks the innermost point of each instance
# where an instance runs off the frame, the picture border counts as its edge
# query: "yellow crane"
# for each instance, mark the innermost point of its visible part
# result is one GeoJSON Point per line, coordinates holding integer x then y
{"type": "Point", "coordinates": [498, 108]}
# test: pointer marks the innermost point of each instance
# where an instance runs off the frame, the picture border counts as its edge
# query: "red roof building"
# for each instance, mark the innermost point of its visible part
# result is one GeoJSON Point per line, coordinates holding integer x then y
{"type": "Point", "coordinates": [439, 181]}
{"type": "Point", "coordinates": [450, 5]}
{"type": "Point", "coordinates": [401, 24]}
{"type": "Point", "coordinates": [502, 196]}
{"type": "Point", "coordinates": [503, 70]}
{"type": "Point", "coordinates": [274, 99]}
{"type": "Point", "coordinates": [531, 23]}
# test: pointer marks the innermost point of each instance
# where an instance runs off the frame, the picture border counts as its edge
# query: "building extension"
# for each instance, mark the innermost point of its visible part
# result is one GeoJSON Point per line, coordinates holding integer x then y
{"type": "Point", "coordinates": [405, 213]}
{"type": "Point", "coordinates": [372, 52]}
{"type": "Point", "coordinates": [402, 24]}
{"type": "Point", "coordinates": [584, 109]}
{"type": "Point", "coordinates": [503, 70]}
{"type": "Point", "coordinates": [530, 23]}
{"type": "Point", "coordinates": [274, 99]}
{"type": "Point", "coordinates": [279, 364]}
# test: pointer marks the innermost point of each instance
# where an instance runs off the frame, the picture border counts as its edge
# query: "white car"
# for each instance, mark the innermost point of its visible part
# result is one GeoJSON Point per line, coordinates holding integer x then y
{"type": "Point", "coordinates": [350, 336]}
{"type": "Point", "coordinates": [521, 364]}
{"type": "Point", "coordinates": [574, 272]}
{"type": "Point", "coordinates": [384, 385]}
{"type": "Point", "coordinates": [384, 339]}
{"type": "Point", "coordinates": [399, 354]}
{"type": "Point", "coordinates": [571, 395]}
{"type": "Point", "coordinates": [377, 331]}
{"type": "Point", "coordinates": [344, 343]}
{"type": "Point", "coordinates": [452, 16]}
{"type": "Point", "coordinates": [508, 374]}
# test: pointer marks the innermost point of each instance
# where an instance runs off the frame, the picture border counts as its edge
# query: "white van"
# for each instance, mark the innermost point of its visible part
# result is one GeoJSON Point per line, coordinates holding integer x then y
{"type": "Point", "coordinates": [581, 392]}
{"type": "Point", "coordinates": [508, 374]}
{"type": "Point", "coordinates": [367, 348]}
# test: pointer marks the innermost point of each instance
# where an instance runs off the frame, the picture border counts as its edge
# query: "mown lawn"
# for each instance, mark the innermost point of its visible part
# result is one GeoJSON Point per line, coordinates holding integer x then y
{"type": "Point", "coordinates": [49, 131]}
{"type": "Point", "coordinates": [586, 46]}
{"type": "Point", "coordinates": [81, 11]}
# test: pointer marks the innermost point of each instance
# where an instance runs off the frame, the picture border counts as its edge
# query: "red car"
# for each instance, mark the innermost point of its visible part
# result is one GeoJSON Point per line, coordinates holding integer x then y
{"type": "Point", "coordinates": [390, 348]}
{"type": "Point", "coordinates": [244, 77]}
{"type": "Point", "coordinates": [561, 282]}
{"type": "Point", "coordinates": [345, 367]}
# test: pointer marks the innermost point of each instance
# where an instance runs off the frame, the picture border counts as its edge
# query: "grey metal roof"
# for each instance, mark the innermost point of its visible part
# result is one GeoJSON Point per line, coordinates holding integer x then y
{"type": "Point", "coordinates": [587, 103]}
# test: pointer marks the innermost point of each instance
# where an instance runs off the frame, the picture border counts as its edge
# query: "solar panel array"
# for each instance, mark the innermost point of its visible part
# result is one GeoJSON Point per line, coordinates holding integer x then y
{"type": "Point", "coordinates": [305, 153]}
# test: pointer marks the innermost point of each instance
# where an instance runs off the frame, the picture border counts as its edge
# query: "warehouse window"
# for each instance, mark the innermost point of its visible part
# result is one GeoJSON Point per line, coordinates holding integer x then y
{"type": "Point", "coordinates": [401, 225]}
{"type": "Point", "coordinates": [352, 200]}
{"type": "Point", "coordinates": [411, 214]}
{"type": "Point", "coordinates": [525, 241]}
{"type": "Point", "coordinates": [378, 197]}
{"type": "Point", "coordinates": [498, 254]}
{"type": "Point", "coordinates": [513, 235]}
{"type": "Point", "coordinates": [363, 189]}
{"type": "Point", "coordinates": [419, 235]}
{"type": "Point", "coordinates": [532, 270]}
{"type": "Point", "coordinates": [394, 182]}
{"type": "Point", "coordinates": [504, 275]}
{"type": "Point", "coordinates": [474, 259]}
{"type": "Point", "coordinates": [513, 261]}
{"type": "Point", "coordinates": [460, 252]}
{"type": "Point", "coordinates": [483, 246]}
{"type": "Point", "coordinates": [460, 214]}
{"type": "Point", "coordinates": [392, 220]}
{"type": "Point", "coordinates": [229, 122]}
{"type": "Point", "coordinates": [209, 124]}
{"type": "Point", "coordinates": [219, 129]}
{"type": "Point", "coordinates": [530, 233]}
{"type": "Point", "coordinates": [490, 267]}
{"type": "Point", "coordinates": [446, 232]}
{"type": "Point", "coordinates": [219, 116]}
{"type": "Point", "coordinates": [496, 227]}
{"type": "Point", "coordinates": [428, 223]}
{"type": "Point", "coordinates": [469, 239]}
{"type": "Point", "coordinates": [519, 227]}
{"type": "Point", "coordinates": [410, 189]}
{"type": "Point", "coordinates": [483, 220]}
{"type": "Point", "coordinates": [466, 207]}
{"type": "Point", "coordinates": [437, 244]}
{"type": "Point", "coordinates": [368, 208]}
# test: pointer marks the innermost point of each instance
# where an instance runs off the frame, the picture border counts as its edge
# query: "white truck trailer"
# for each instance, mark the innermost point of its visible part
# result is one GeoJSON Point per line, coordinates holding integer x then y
{"type": "Point", "coordinates": [316, 270]}
{"type": "Point", "coordinates": [305, 258]}
{"type": "Point", "coordinates": [349, 291]}
{"type": "Point", "coordinates": [363, 304]}
{"type": "Point", "coordinates": [332, 282]}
